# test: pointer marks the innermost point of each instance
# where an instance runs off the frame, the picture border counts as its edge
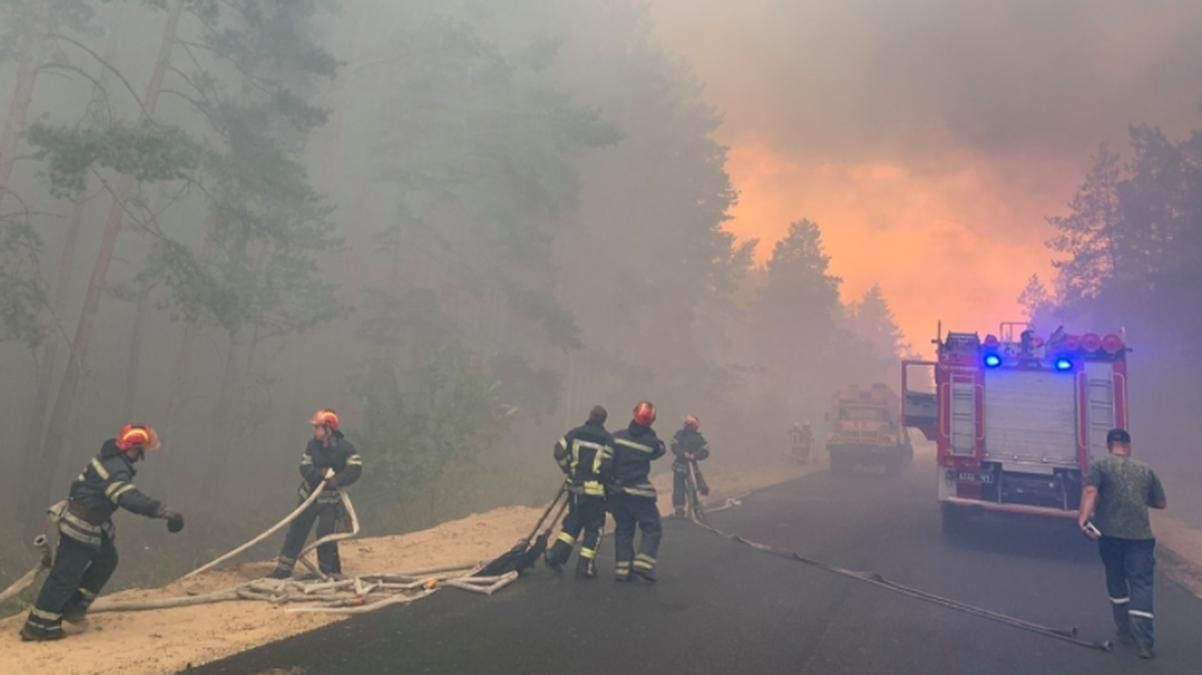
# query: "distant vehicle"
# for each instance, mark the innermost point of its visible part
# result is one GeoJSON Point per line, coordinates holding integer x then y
{"type": "Point", "coordinates": [866, 430]}
{"type": "Point", "coordinates": [801, 441]}
{"type": "Point", "coordinates": [1016, 419]}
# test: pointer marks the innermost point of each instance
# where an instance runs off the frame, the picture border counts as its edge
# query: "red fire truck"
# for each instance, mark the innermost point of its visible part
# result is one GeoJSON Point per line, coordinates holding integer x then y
{"type": "Point", "coordinates": [1016, 417]}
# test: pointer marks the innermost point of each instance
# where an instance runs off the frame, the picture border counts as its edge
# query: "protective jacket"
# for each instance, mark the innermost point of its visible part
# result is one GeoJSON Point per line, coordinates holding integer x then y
{"type": "Point", "coordinates": [634, 449]}
{"type": "Point", "coordinates": [104, 485]}
{"type": "Point", "coordinates": [689, 441]}
{"type": "Point", "coordinates": [340, 455]}
{"type": "Point", "coordinates": [586, 456]}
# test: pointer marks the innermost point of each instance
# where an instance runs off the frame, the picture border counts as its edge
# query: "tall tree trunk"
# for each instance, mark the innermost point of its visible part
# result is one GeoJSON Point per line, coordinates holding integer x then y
{"type": "Point", "coordinates": [33, 51]}
{"type": "Point", "coordinates": [179, 378]}
{"type": "Point", "coordinates": [39, 484]}
{"type": "Point", "coordinates": [227, 401]}
{"type": "Point", "coordinates": [48, 362]}
{"type": "Point", "coordinates": [133, 365]}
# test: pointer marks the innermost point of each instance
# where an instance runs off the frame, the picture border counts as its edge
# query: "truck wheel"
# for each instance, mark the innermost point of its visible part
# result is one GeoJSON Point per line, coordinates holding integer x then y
{"type": "Point", "coordinates": [953, 520]}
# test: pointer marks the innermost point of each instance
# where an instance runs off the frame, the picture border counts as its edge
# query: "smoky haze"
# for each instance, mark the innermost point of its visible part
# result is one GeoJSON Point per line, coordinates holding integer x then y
{"type": "Point", "coordinates": [461, 226]}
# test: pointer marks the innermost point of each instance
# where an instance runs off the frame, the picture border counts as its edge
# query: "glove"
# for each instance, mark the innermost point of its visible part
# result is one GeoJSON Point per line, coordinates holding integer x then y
{"type": "Point", "coordinates": [175, 520]}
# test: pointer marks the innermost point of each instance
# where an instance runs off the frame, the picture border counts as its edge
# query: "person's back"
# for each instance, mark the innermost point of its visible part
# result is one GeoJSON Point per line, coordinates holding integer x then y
{"type": "Point", "coordinates": [1114, 510]}
{"type": "Point", "coordinates": [1126, 488]}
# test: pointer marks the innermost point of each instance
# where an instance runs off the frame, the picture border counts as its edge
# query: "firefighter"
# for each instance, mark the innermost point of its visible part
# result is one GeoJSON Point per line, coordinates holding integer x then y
{"type": "Point", "coordinates": [586, 456]}
{"type": "Point", "coordinates": [331, 459]}
{"type": "Point", "coordinates": [632, 496]}
{"type": "Point", "coordinates": [688, 448]}
{"type": "Point", "coordinates": [86, 557]}
{"type": "Point", "coordinates": [1114, 511]}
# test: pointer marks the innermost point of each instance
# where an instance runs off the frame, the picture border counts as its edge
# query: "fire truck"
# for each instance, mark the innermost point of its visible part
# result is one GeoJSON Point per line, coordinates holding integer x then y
{"type": "Point", "coordinates": [1016, 417]}
{"type": "Point", "coordinates": [865, 430]}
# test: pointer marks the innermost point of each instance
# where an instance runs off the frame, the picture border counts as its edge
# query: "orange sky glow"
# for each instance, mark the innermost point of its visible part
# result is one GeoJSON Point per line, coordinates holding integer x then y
{"type": "Point", "coordinates": [958, 246]}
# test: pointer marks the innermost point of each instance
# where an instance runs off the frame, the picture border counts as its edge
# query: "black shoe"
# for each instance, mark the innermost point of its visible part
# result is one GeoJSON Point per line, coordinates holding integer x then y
{"type": "Point", "coordinates": [34, 634]}
{"type": "Point", "coordinates": [75, 614]}
{"type": "Point", "coordinates": [1146, 653]}
{"type": "Point", "coordinates": [585, 569]}
{"type": "Point", "coordinates": [280, 573]}
{"type": "Point", "coordinates": [645, 575]}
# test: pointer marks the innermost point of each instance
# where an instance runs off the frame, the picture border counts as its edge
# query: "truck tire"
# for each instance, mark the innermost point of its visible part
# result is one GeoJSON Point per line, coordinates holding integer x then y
{"type": "Point", "coordinates": [953, 521]}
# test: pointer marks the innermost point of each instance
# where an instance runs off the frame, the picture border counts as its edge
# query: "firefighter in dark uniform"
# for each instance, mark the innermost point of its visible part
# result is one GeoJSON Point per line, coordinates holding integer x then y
{"type": "Point", "coordinates": [86, 557]}
{"type": "Point", "coordinates": [632, 496]}
{"type": "Point", "coordinates": [331, 459]}
{"type": "Point", "coordinates": [688, 446]}
{"type": "Point", "coordinates": [586, 456]}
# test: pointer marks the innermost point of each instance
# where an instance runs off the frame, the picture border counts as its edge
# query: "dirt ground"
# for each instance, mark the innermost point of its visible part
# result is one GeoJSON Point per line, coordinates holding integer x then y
{"type": "Point", "coordinates": [169, 640]}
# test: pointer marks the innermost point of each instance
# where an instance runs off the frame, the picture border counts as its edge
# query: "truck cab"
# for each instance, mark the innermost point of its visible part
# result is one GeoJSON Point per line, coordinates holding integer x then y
{"type": "Point", "coordinates": [1016, 417]}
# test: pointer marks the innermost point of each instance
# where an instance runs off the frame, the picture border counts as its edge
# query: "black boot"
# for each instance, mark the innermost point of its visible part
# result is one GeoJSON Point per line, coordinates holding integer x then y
{"type": "Point", "coordinates": [558, 555]}
{"type": "Point", "coordinates": [37, 630]}
{"type": "Point", "coordinates": [586, 568]}
{"type": "Point", "coordinates": [280, 573]}
{"type": "Point", "coordinates": [645, 574]}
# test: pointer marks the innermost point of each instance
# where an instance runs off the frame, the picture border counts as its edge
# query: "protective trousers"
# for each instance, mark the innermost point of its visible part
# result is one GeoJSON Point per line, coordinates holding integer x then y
{"type": "Point", "coordinates": [80, 571]}
{"type": "Point", "coordinates": [630, 512]}
{"type": "Point", "coordinates": [680, 487]}
{"type": "Point", "coordinates": [587, 513]}
{"type": "Point", "coordinates": [326, 516]}
{"type": "Point", "coordinates": [1129, 575]}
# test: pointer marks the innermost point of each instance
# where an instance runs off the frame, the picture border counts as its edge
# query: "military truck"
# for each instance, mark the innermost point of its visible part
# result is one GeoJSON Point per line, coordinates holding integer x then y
{"type": "Point", "coordinates": [866, 431]}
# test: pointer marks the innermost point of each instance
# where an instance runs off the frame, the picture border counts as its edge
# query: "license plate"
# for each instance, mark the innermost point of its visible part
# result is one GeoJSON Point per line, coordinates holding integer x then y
{"type": "Point", "coordinates": [976, 477]}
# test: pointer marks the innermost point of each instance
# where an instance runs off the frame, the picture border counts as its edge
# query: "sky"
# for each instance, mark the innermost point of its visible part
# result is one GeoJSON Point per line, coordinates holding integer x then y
{"type": "Point", "coordinates": [931, 139]}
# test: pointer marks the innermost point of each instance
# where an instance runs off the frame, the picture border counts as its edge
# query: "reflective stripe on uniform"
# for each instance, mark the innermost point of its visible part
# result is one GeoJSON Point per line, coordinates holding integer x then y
{"type": "Point", "coordinates": [633, 445]}
{"type": "Point", "coordinates": [623, 565]}
{"type": "Point", "coordinates": [594, 488]}
{"type": "Point", "coordinates": [44, 615]}
{"type": "Point", "coordinates": [1120, 601]}
{"type": "Point", "coordinates": [643, 564]}
{"type": "Point", "coordinates": [587, 553]}
{"type": "Point", "coordinates": [117, 489]}
{"type": "Point", "coordinates": [645, 558]}
{"type": "Point", "coordinates": [285, 560]}
{"type": "Point", "coordinates": [354, 460]}
{"type": "Point", "coordinates": [1139, 613]}
{"type": "Point", "coordinates": [100, 470]}
{"type": "Point", "coordinates": [640, 491]}
{"type": "Point", "coordinates": [306, 459]}
{"type": "Point", "coordinates": [566, 538]}
{"type": "Point", "coordinates": [87, 595]}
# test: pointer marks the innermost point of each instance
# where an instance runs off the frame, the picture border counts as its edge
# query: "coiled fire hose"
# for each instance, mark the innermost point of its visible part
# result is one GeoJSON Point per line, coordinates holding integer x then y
{"type": "Point", "coordinates": [42, 544]}
{"type": "Point", "coordinates": [698, 517]}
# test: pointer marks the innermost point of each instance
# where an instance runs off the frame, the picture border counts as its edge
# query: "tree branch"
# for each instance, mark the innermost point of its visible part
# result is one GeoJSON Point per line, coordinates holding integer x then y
{"type": "Point", "coordinates": [111, 68]}
{"type": "Point", "coordinates": [80, 71]}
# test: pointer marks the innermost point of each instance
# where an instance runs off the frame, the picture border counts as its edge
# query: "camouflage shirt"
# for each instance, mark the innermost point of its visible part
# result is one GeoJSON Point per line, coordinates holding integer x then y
{"type": "Point", "coordinates": [1126, 488]}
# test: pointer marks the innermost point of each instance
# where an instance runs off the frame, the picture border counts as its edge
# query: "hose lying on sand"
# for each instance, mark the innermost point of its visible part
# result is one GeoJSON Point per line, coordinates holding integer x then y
{"type": "Point", "coordinates": [43, 546]}
{"type": "Point", "coordinates": [354, 595]}
{"type": "Point", "coordinates": [698, 517]}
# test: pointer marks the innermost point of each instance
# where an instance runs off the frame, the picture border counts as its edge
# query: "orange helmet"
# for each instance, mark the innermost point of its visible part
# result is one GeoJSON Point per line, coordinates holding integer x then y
{"type": "Point", "coordinates": [134, 436]}
{"type": "Point", "coordinates": [691, 422]}
{"type": "Point", "coordinates": [644, 413]}
{"type": "Point", "coordinates": [325, 417]}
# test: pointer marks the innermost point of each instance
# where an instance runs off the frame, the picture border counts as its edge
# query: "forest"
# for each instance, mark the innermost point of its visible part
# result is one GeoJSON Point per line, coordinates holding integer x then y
{"type": "Point", "coordinates": [459, 225]}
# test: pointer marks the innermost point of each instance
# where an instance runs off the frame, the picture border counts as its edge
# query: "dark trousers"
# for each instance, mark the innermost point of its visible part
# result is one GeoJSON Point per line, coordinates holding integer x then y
{"type": "Point", "coordinates": [629, 513]}
{"type": "Point", "coordinates": [584, 513]}
{"type": "Point", "coordinates": [79, 573]}
{"type": "Point", "coordinates": [326, 516]}
{"type": "Point", "coordinates": [680, 485]}
{"type": "Point", "coordinates": [1129, 575]}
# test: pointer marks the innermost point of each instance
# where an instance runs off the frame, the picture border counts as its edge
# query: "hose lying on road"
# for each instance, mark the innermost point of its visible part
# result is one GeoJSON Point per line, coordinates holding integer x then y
{"type": "Point", "coordinates": [43, 546]}
{"type": "Point", "coordinates": [1065, 634]}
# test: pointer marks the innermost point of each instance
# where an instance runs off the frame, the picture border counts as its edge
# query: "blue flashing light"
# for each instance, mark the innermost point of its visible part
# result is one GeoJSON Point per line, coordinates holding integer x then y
{"type": "Point", "coordinates": [1063, 364]}
{"type": "Point", "coordinates": [992, 360]}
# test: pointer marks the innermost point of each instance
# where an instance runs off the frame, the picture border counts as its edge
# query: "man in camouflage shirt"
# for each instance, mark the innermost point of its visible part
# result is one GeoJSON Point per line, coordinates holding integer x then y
{"type": "Point", "coordinates": [1118, 491]}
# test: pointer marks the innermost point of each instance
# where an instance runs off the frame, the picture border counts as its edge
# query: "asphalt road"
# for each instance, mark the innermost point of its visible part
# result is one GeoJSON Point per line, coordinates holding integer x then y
{"type": "Point", "coordinates": [721, 607]}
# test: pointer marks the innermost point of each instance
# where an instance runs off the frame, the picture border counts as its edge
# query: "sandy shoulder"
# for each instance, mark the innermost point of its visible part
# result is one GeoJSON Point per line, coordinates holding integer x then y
{"type": "Point", "coordinates": [169, 640]}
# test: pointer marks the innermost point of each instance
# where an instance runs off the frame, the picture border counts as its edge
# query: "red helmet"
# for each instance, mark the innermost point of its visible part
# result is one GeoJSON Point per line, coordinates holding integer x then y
{"type": "Point", "coordinates": [133, 436]}
{"type": "Point", "coordinates": [325, 417]}
{"type": "Point", "coordinates": [691, 422]}
{"type": "Point", "coordinates": [644, 413]}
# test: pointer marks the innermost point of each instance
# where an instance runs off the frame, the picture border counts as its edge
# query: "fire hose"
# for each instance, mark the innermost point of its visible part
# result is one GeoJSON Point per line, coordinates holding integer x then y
{"type": "Point", "coordinates": [698, 517]}
{"type": "Point", "coordinates": [42, 544]}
